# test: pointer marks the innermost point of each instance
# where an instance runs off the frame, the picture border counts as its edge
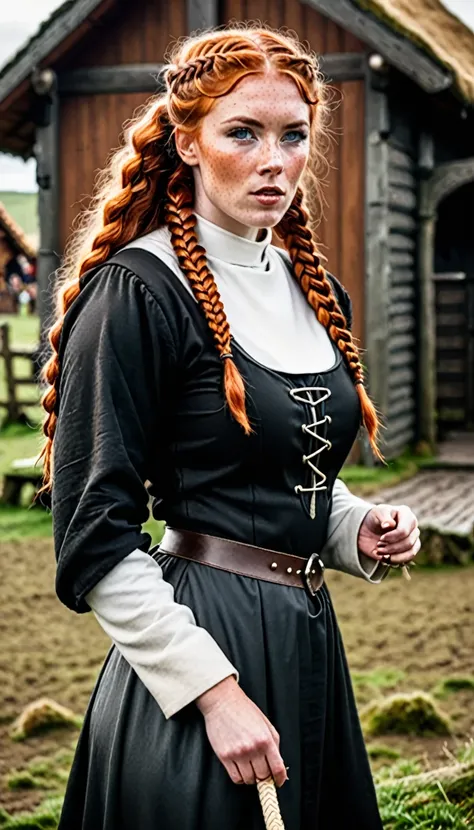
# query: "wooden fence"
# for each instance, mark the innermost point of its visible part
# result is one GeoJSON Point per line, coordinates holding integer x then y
{"type": "Point", "coordinates": [14, 407]}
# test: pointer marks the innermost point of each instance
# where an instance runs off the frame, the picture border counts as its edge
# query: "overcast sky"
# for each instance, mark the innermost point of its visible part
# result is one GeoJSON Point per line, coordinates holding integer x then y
{"type": "Point", "coordinates": [20, 19]}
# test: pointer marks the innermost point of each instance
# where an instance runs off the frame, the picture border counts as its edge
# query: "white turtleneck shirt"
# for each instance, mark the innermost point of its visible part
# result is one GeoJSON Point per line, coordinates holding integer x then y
{"type": "Point", "coordinates": [271, 320]}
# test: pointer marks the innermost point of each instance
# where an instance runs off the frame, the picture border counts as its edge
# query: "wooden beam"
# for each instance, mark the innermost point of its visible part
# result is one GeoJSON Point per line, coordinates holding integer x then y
{"type": "Point", "coordinates": [394, 47]}
{"type": "Point", "coordinates": [377, 231]}
{"type": "Point", "coordinates": [39, 47]}
{"type": "Point", "coordinates": [343, 66]}
{"type": "Point", "coordinates": [106, 80]}
{"type": "Point", "coordinates": [202, 14]}
{"type": "Point", "coordinates": [46, 151]}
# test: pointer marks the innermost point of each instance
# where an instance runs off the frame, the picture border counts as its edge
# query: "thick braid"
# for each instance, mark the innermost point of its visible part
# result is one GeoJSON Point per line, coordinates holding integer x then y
{"type": "Point", "coordinates": [311, 277]}
{"type": "Point", "coordinates": [181, 221]}
{"type": "Point", "coordinates": [131, 211]}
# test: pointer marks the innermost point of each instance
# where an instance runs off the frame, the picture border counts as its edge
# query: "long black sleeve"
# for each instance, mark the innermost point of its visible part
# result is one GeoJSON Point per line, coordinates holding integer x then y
{"type": "Point", "coordinates": [115, 352]}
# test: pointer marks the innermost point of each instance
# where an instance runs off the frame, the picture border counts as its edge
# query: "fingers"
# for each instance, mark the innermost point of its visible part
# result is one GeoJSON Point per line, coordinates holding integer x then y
{"type": "Point", "coordinates": [277, 767]}
{"type": "Point", "coordinates": [234, 772]}
{"type": "Point", "coordinates": [403, 558]}
{"type": "Point", "coordinates": [406, 522]}
{"type": "Point", "coordinates": [404, 546]}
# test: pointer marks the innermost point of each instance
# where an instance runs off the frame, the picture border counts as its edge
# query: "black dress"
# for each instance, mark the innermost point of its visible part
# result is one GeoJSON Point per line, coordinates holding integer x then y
{"type": "Point", "coordinates": [141, 399]}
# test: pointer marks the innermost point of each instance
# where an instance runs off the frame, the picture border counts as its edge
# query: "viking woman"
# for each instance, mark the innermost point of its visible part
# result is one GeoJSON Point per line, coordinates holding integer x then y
{"type": "Point", "coordinates": [196, 363]}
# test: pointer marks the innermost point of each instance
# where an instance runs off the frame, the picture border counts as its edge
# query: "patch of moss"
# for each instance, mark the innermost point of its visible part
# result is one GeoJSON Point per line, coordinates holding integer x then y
{"type": "Point", "coordinates": [380, 678]}
{"type": "Point", "coordinates": [453, 684]}
{"type": "Point", "coordinates": [405, 714]}
{"type": "Point", "coordinates": [41, 715]}
{"type": "Point", "coordinates": [376, 751]}
{"type": "Point", "coordinates": [21, 781]}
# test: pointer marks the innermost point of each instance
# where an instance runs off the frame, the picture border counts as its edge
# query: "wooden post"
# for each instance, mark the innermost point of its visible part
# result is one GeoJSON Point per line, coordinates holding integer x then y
{"type": "Point", "coordinates": [12, 407]}
{"type": "Point", "coordinates": [377, 281]}
{"type": "Point", "coordinates": [46, 151]}
{"type": "Point", "coordinates": [202, 14]}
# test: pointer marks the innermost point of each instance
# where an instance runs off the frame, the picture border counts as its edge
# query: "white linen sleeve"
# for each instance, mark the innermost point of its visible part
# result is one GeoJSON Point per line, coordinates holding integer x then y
{"type": "Point", "coordinates": [176, 659]}
{"type": "Point", "coordinates": [340, 551]}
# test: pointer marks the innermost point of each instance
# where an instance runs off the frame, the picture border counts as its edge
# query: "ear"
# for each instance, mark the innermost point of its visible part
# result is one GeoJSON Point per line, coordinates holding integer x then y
{"type": "Point", "coordinates": [186, 147]}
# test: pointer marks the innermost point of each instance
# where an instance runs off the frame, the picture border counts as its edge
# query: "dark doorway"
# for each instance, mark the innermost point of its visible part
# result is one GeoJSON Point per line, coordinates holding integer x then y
{"type": "Point", "coordinates": [454, 300]}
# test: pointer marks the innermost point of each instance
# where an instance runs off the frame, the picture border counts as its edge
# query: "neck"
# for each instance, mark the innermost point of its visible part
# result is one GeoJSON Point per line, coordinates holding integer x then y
{"type": "Point", "coordinates": [205, 208]}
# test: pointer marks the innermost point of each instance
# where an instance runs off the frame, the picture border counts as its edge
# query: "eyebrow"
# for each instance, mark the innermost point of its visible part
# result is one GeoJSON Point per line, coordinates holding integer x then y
{"type": "Point", "coordinates": [253, 122]}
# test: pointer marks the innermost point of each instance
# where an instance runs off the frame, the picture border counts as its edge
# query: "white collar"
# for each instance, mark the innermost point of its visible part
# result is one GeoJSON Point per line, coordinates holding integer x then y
{"type": "Point", "coordinates": [231, 248]}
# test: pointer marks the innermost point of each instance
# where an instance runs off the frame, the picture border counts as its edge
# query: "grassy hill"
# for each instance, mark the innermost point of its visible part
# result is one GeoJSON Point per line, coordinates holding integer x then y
{"type": "Point", "coordinates": [23, 207]}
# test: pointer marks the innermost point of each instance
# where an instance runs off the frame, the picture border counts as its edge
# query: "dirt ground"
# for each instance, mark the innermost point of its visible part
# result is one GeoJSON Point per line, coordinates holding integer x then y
{"type": "Point", "coordinates": [399, 636]}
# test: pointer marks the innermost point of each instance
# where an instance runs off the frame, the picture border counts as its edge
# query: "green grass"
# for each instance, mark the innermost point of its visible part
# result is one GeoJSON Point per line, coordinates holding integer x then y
{"type": "Point", "coordinates": [381, 678]}
{"type": "Point", "coordinates": [18, 523]}
{"type": "Point", "coordinates": [23, 208]}
{"type": "Point", "coordinates": [364, 480]}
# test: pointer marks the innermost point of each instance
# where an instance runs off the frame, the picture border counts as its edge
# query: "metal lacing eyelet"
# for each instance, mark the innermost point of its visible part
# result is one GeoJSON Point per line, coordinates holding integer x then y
{"type": "Point", "coordinates": [329, 445]}
{"type": "Point", "coordinates": [329, 419]}
{"type": "Point", "coordinates": [298, 488]}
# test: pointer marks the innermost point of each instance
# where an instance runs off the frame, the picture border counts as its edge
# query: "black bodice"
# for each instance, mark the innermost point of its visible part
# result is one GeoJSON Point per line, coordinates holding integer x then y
{"type": "Point", "coordinates": [142, 397]}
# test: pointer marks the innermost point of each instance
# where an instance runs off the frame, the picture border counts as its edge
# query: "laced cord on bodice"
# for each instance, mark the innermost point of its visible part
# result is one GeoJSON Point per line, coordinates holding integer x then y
{"type": "Point", "coordinates": [305, 395]}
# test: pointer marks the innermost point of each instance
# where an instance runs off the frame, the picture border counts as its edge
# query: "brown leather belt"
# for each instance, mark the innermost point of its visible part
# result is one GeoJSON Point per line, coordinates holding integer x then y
{"type": "Point", "coordinates": [246, 560]}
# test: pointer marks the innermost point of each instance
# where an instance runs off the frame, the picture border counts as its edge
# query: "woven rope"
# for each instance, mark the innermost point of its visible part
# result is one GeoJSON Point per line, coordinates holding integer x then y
{"type": "Point", "coordinates": [269, 802]}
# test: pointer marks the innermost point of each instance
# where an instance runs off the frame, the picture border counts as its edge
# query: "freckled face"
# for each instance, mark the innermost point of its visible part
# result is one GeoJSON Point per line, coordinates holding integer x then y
{"type": "Point", "coordinates": [249, 154]}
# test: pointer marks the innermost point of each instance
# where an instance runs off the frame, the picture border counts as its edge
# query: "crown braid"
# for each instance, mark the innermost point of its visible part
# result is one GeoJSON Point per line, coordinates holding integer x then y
{"type": "Point", "coordinates": [312, 279]}
{"type": "Point", "coordinates": [181, 221]}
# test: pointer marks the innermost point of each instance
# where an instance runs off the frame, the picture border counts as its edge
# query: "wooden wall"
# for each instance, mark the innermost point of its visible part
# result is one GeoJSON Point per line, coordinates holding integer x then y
{"type": "Point", "coordinates": [90, 124]}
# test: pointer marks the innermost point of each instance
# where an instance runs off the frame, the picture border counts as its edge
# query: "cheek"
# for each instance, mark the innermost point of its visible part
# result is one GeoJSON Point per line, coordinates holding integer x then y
{"type": "Point", "coordinates": [226, 167]}
{"type": "Point", "coordinates": [295, 165]}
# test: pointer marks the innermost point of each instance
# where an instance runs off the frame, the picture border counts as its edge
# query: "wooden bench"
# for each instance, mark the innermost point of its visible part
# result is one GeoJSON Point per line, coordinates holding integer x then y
{"type": "Point", "coordinates": [13, 484]}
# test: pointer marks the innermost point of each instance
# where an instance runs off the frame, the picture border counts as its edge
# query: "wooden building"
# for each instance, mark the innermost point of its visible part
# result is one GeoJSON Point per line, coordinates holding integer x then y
{"type": "Point", "coordinates": [13, 242]}
{"type": "Point", "coordinates": [401, 191]}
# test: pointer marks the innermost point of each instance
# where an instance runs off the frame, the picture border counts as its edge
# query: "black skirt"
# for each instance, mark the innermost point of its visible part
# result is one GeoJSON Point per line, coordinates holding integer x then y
{"type": "Point", "coordinates": [135, 770]}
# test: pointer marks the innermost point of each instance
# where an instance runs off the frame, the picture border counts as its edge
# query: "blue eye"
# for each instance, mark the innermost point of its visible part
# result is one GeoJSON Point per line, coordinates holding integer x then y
{"type": "Point", "coordinates": [237, 133]}
{"type": "Point", "coordinates": [300, 136]}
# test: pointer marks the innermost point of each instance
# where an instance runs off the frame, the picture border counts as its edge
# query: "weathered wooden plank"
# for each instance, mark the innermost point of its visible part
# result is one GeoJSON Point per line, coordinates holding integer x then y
{"type": "Point", "coordinates": [451, 342]}
{"type": "Point", "coordinates": [398, 158]}
{"type": "Point", "coordinates": [451, 389]}
{"type": "Point", "coordinates": [400, 261]}
{"type": "Point", "coordinates": [201, 14]}
{"type": "Point", "coordinates": [400, 425]}
{"type": "Point", "coordinates": [401, 242]}
{"type": "Point", "coordinates": [400, 308]}
{"type": "Point", "coordinates": [401, 325]}
{"type": "Point", "coordinates": [401, 344]}
{"type": "Point", "coordinates": [451, 365]}
{"type": "Point", "coordinates": [107, 80]}
{"type": "Point", "coordinates": [400, 403]}
{"type": "Point", "coordinates": [402, 177]}
{"type": "Point", "coordinates": [352, 198]}
{"type": "Point", "coordinates": [402, 292]}
{"type": "Point", "coordinates": [450, 318]}
{"type": "Point", "coordinates": [450, 296]}
{"type": "Point", "coordinates": [402, 222]}
{"type": "Point", "coordinates": [402, 198]}
{"type": "Point", "coordinates": [401, 377]}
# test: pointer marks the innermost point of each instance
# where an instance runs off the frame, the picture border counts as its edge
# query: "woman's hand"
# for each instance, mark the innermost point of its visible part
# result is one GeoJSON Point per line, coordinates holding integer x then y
{"type": "Point", "coordinates": [240, 734]}
{"type": "Point", "coordinates": [390, 531]}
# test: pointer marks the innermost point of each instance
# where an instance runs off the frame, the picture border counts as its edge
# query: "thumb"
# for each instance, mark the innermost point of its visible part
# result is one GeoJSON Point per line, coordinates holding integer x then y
{"type": "Point", "coordinates": [382, 514]}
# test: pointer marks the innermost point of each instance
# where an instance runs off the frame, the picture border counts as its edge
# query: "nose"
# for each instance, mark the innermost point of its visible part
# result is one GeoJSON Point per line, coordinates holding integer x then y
{"type": "Point", "coordinates": [271, 160]}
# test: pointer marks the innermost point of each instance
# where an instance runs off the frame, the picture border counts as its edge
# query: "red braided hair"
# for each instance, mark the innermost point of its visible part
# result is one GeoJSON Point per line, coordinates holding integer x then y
{"type": "Point", "coordinates": [146, 185]}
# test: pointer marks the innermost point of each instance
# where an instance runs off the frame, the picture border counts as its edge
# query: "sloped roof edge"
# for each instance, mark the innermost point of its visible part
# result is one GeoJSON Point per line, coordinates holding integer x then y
{"type": "Point", "coordinates": [435, 29]}
{"type": "Point", "coordinates": [16, 233]}
{"type": "Point", "coordinates": [61, 23]}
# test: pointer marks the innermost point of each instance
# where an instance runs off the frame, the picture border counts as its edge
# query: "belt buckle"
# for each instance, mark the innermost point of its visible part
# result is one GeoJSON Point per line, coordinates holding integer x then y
{"type": "Point", "coordinates": [310, 571]}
